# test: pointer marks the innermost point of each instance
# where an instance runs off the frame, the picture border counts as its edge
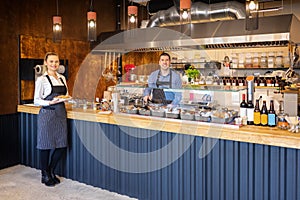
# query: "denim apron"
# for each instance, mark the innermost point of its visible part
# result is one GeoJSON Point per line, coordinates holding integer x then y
{"type": "Point", "coordinates": [159, 96]}
{"type": "Point", "coordinates": [52, 121]}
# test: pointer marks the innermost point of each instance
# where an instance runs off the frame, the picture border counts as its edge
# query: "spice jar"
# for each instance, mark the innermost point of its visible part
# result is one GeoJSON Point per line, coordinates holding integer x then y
{"type": "Point", "coordinates": [241, 60]}
{"type": "Point", "coordinates": [286, 62]}
{"type": "Point", "coordinates": [271, 60]}
{"type": "Point", "coordinates": [248, 61]}
{"type": "Point", "coordinates": [234, 61]}
{"type": "Point", "coordinates": [279, 59]}
{"type": "Point", "coordinates": [263, 60]}
{"type": "Point", "coordinates": [255, 60]}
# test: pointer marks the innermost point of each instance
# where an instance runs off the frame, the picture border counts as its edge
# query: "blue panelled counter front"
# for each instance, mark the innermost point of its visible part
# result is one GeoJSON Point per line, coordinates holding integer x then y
{"type": "Point", "coordinates": [157, 158]}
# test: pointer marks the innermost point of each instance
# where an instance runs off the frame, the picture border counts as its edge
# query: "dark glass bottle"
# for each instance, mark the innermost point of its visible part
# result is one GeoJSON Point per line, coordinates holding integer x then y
{"type": "Point", "coordinates": [256, 113]}
{"type": "Point", "coordinates": [250, 113]}
{"type": "Point", "coordinates": [264, 114]}
{"type": "Point", "coordinates": [272, 115]}
{"type": "Point", "coordinates": [243, 107]}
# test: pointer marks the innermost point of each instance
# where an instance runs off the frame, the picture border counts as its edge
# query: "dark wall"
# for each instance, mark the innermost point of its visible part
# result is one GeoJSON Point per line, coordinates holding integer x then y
{"type": "Point", "coordinates": [9, 140]}
{"type": "Point", "coordinates": [34, 18]}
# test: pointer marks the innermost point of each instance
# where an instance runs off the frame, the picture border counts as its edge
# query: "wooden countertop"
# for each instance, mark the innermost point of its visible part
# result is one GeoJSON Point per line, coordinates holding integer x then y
{"type": "Point", "coordinates": [250, 134]}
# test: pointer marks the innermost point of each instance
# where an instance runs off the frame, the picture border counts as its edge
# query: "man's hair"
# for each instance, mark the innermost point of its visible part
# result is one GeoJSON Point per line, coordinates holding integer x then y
{"type": "Point", "coordinates": [165, 54]}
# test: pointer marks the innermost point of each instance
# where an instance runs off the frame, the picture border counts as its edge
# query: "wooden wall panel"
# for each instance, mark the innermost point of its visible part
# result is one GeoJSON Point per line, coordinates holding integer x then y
{"type": "Point", "coordinates": [145, 62]}
{"type": "Point", "coordinates": [36, 47]}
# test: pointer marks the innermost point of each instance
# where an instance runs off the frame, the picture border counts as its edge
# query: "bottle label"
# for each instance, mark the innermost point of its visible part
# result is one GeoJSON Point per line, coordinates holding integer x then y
{"type": "Point", "coordinates": [250, 112]}
{"type": "Point", "coordinates": [264, 119]}
{"type": "Point", "coordinates": [243, 112]}
{"type": "Point", "coordinates": [271, 119]}
{"type": "Point", "coordinates": [256, 118]}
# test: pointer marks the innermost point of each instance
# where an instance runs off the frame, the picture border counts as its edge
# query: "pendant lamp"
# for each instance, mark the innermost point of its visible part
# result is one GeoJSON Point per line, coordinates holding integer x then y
{"type": "Point", "coordinates": [57, 26]}
{"type": "Point", "coordinates": [132, 17]}
{"type": "Point", "coordinates": [91, 24]}
{"type": "Point", "coordinates": [185, 11]}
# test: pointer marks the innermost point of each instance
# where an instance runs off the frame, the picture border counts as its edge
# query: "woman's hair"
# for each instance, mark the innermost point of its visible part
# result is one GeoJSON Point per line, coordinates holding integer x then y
{"type": "Point", "coordinates": [50, 54]}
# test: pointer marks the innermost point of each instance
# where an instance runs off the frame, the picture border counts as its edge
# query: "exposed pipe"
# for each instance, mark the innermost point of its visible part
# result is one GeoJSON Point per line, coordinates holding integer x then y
{"type": "Point", "coordinates": [200, 12]}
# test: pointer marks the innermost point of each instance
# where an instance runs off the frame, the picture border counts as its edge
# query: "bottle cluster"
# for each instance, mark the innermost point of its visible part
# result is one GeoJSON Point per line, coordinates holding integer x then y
{"type": "Point", "coordinates": [258, 115]}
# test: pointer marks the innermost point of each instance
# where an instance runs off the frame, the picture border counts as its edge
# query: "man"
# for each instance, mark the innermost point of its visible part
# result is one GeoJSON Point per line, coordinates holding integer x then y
{"type": "Point", "coordinates": [164, 78]}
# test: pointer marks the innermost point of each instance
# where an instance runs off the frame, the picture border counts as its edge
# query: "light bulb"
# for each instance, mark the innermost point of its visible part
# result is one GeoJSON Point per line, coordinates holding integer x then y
{"type": "Point", "coordinates": [57, 27]}
{"type": "Point", "coordinates": [92, 24]}
{"type": "Point", "coordinates": [185, 14]}
{"type": "Point", "coordinates": [252, 5]}
{"type": "Point", "coordinates": [132, 19]}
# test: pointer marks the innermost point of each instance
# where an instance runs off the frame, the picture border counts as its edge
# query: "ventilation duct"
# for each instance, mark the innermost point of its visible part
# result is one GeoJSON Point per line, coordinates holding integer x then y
{"type": "Point", "coordinates": [200, 12]}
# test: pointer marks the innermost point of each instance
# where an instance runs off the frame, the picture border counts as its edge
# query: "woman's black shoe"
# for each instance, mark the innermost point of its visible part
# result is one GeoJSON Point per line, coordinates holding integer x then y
{"type": "Point", "coordinates": [47, 179]}
{"type": "Point", "coordinates": [54, 177]}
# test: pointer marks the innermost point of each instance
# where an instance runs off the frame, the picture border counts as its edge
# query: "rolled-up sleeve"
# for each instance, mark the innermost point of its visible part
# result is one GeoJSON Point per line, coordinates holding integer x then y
{"type": "Point", "coordinates": [177, 84]}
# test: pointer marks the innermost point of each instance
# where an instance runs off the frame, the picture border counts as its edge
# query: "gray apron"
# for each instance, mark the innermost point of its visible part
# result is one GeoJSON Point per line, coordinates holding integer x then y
{"type": "Point", "coordinates": [52, 121]}
{"type": "Point", "coordinates": [158, 94]}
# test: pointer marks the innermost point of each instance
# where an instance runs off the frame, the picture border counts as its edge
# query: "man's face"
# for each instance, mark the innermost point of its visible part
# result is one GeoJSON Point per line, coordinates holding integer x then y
{"type": "Point", "coordinates": [164, 62]}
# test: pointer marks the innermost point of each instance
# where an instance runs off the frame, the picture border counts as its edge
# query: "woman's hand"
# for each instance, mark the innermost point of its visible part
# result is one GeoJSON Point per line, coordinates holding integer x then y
{"type": "Point", "coordinates": [54, 101]}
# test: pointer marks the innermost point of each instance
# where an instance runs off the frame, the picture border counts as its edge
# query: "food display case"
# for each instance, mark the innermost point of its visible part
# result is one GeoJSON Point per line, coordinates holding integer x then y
{"type": "Point", "coordinates": [205, 103]}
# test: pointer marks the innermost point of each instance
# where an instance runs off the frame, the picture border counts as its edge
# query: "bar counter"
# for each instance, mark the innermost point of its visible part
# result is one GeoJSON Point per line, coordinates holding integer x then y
{"type": "Point", "coordinates": [252, 134]}
{"type": "Point", "coordinates": [158, 158]}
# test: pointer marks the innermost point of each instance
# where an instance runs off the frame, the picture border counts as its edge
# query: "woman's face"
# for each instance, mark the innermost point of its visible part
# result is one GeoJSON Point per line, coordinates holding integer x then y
{"type": "Point", "coordinates": [52, 62]}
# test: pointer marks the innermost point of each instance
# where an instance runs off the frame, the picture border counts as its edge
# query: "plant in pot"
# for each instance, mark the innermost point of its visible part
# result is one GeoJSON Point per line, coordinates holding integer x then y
{"type": "Point", "coordinates": [192, 73]}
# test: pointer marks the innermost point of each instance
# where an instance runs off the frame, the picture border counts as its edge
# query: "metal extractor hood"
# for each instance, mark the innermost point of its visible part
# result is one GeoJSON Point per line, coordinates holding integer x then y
{"type": "Point", "coordinates": [279, 29]}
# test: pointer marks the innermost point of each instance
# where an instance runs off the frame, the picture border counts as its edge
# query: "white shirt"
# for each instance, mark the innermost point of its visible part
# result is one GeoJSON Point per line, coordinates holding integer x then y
{"type": "Point", "coordinates": [43, 88]}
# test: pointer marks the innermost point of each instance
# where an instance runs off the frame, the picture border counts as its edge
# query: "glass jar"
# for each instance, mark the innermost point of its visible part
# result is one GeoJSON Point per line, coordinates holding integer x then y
{"type": "Point", "coordinates": [286, 62]}
{"type": "Point", "coordinates": [241, 60]}
{"type": "Point", "coordinates": [234, 60]}
{"type": "Point", "coordinates": [263, 60]}
{"type": "Point", "coordinates": [248, 61]}
{"type": "Point", "coordinates": [271, 58]}
{"type": "Point", "coordinates": [255, 60]}
{"type": "Point", "coordinates": [279, 59]}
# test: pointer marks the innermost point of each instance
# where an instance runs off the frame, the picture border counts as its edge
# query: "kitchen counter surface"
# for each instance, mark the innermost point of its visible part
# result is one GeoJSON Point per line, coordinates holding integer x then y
{"type": "Point", "coordinates": [250, 134]}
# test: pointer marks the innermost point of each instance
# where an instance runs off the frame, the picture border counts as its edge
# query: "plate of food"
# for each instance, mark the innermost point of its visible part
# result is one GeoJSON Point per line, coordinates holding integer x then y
{"type": "Point", "coordinates": [62, 98]}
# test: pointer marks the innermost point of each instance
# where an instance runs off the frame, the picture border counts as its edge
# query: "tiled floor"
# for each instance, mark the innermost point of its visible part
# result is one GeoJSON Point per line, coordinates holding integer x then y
{"type": "Point", "coordinates": [23, 183]}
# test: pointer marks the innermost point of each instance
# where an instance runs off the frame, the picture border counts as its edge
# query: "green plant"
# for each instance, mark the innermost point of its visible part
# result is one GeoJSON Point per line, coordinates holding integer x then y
{"type": "Point", "coordinates": [191, 72]}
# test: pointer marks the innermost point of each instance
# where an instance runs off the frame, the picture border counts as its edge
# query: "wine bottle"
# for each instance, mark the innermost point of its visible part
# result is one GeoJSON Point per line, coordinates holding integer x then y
{"type": "Point", "coordinates": [256, 113]}
{"type": "Point", "coordinates": [264, 114]}
{"type": "Point", "coordinates": [272, 115]}
{"type": "Point", "coordinates": [250, 113]}
{"type": "Point", "coordinates": [243, 107]}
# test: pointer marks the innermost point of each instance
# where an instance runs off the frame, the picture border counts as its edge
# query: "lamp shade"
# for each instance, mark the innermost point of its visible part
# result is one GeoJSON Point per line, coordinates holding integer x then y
{"type": "Point", "coordinates": [132, 17]}
{"type": "Point", "coordinates": [92, 26]}
{"type": "Point", "coordinates": [57, 28]}
{"type": "Point", "coordinates": [185, 4]}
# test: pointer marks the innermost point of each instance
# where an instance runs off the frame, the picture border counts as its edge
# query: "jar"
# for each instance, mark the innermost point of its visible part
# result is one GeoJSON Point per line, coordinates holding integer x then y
{"type": "Point", "coordinates": [255, 60]}
{"type": "Point", "coordinates": [209, 80]}
{"type": "Point", "coordinates": [234, 61]}
{"type": "Point", "coordinates": [248, 61]}
{"type": "Point", "coordinates": [263, 60]}
{"type": "Point", "coordinates": [202, 80]}
{"type": "Point", "coordinates": [271, 58]}
{"type": "Point", "coordinates": [286, 62]}
{"type": "Point", "coordinates": [279, 60]}
{"type": "Point", "coordinates": [282, 123]}
{"type": "Point", "coordinates": [241, 60]}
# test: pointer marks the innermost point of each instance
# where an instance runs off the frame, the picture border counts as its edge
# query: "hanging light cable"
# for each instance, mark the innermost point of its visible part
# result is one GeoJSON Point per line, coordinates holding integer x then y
{"type": "Point", "coordinates": [91, 23]}
{"type": "Point", "coordinates": [57, 26]}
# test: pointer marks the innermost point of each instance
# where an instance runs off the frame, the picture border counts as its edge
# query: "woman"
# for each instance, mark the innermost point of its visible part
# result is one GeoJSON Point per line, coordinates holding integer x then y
{"type": "Point", "coordinates": [52, 118]}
